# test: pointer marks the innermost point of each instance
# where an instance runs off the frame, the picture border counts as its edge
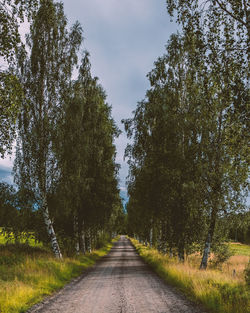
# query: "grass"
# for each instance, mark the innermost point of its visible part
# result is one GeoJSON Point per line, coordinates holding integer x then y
{"type": "Point", "coordinates": [29, 273]}
{"type": "Point", "coordinates": [240, 249]}
{"type": "Point", "coordinates": [218, 290]}
{"type": "Point", "coordinates": [30, 240]}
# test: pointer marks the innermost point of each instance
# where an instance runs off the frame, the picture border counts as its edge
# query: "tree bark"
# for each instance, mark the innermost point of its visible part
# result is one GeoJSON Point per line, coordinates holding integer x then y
{"type": "Point", "coordinates": [181, 253]}
{"type": "Point", "coordinates": [50, 229]}
{"type": "Point", "coordinates": [89, 241]}
{"type": "Point", "coordinates": [82, 239]}
{"type": "Point", "coordinates": [206, 253]}
{"type": "Point", "coordinates": [151, 237]}
{"type": "Point", "coordinates": [76, 231]}
{"type": "Point", "coordinates": [208, 242]}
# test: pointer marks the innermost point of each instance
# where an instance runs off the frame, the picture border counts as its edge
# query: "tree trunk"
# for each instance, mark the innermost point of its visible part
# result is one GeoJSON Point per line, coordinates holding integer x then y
{"type": "Point", "coordinates": [206, 253]}
{"type": "Point", "coordinates": [236, 235]}
{"type": "Point", "coordinates": [181, 254]}
{"type": "Point", "coordinates": [151, 237]}
{"type": "Point", "coordinates": [89, 241]}
{"type": "Point", "coordinates": [171, 252]}
{"type": "Point", "coordinates": [82, 239]}
{"type": "Point", "coordinates": [50, 229]}
{"type": "Point", "coordinates": [76, 231]}
{"type": "Point", "coordinates": [210, 234]}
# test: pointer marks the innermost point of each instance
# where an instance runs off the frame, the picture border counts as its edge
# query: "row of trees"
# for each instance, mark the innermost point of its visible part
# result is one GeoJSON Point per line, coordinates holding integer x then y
{"type": "Point", "coordinates": [65, 155]}
{"type": "Point", "coordinates": [189, 158]}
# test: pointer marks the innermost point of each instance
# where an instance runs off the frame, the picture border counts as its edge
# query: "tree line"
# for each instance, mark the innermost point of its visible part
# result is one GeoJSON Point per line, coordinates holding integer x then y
{"type": "Point", "coordinates": [65, 172]}
{"type": "Point", "coordinates": [189, 156]}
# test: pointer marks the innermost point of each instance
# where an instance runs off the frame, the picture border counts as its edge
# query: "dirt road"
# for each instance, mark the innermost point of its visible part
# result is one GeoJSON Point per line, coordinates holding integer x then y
{"type": "Point", "coordinates": [120, 283]}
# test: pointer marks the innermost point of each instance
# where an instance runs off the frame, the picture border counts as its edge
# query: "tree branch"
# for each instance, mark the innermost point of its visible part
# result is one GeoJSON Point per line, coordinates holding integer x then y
{"type": "Point", "coordinates": [229, 13]}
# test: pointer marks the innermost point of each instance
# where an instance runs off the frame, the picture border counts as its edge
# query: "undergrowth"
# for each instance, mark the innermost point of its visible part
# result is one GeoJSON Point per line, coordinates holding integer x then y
{"type": "Point", "coordinates": [218, 291]}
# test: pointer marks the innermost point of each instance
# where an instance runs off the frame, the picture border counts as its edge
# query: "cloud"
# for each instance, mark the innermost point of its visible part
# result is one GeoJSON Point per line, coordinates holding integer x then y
{"type": "Point", "coordinates": [7, 162]}
{"type": "Point", "coordinates": [5, 174]}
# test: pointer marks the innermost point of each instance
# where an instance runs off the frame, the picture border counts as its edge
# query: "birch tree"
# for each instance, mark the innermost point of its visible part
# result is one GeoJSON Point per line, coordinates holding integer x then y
{"type": "Point", "coordinates": [226, 32]}
{"type": "Point", "coordinates": [85, 150]}
{"type": "Point", "coordinates": [46, 75]}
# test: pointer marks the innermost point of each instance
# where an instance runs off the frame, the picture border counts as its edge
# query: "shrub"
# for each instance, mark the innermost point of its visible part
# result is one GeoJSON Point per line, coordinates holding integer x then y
{"type": "Point", "coordinates": [222, 254]}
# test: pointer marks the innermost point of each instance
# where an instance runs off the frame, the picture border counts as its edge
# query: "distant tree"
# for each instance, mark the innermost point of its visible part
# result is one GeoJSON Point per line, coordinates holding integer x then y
{"type": "Point", "coordinates": [163, 168]}
{"type": "Point", "coordinates": [88, 182]}
{"type": "Point", "coordinates": [8, 209]}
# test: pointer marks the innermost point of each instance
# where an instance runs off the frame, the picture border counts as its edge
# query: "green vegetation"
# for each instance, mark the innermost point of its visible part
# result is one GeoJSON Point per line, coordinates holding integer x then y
{"type": "Point", "coordinates": [28, 274]}
{"type": "Point", "coordinates": [188, 154]}
{"type": "Point", "coordinates": [11, 93]}
{"type": "Point", "coordinates": [240, 249]}
{"type": "Point", "coordinates": [66, 193]}
{"type": "Point", "coordinates": [22, 239]}
{"type": "Point", "coordinates": [218, 290]}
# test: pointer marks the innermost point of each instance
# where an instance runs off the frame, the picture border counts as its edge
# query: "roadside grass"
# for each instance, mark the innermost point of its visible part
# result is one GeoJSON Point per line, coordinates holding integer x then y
{"type": "Point", "coordinates": [29, 273]}
{"type": "Point", "coordinates": [218, 290]}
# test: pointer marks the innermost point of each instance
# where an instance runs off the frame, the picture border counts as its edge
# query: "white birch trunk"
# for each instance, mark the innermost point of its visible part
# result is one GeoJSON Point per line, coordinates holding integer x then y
{"type": "Point", "coordinates": [50, 229]}
{"type": "Point", "coordinates": [206, 253]}
{"type": "Point", "coordinates": [89, 241]}
{"type": "Point", "coordinates": [83, 243]}
{"type": "Point", "coordinates": [76, 231]}
{"type": "Point", "coordinates": [151, 237]}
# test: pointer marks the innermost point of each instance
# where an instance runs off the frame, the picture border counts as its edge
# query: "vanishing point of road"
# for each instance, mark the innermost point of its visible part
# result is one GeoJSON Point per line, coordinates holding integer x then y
{"type": "Point", "coordinates": [120, 283]}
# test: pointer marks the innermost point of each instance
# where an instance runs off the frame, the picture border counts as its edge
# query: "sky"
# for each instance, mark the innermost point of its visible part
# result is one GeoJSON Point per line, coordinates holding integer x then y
{"type": "Point", "coordinates": [124, 38]}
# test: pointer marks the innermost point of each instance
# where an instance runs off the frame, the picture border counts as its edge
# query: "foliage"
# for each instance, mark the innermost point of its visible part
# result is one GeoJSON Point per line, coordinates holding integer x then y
{"type": "Point", "coordinates": [188, 159]}
{"type": "Point", "coordinates": [65, 171]}
{"type": "Point", "coordinates": [11, 14]}
{"type": "Point", "coordinates": [11, 93]}
{"type": "Point", "coordinates": [87, 190]}
{"type": "Point", "coordinates": [46, 76]}
{"type": "Point", "coordinates": [10, 100]}
{"type": "Point", "coordinates": [239, 227]}
{"type": "Point", "coordinates": [222, 253]}
{"type": "Point", "coordinates": [8, 212]}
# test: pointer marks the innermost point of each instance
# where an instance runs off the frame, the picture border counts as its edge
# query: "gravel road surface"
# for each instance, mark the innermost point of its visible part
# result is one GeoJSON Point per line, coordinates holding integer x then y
{"type": "Point", "coordinates": [120, 283]}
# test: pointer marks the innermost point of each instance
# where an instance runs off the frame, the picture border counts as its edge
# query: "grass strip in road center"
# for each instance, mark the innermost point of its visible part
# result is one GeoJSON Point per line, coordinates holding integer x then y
{"type": "Point", "coordinates": [29, 274]}
{"type": "Point", "coordinates": [217, 291]}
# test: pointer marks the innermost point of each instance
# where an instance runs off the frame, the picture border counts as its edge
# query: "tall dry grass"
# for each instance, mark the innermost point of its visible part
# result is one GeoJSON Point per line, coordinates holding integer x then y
{"type": "Point", "coordinates": [219, 290]}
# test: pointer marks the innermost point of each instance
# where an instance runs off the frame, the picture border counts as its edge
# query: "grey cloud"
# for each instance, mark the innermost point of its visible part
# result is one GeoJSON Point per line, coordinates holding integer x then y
{"type": "Point", "coordinates": [5, 175]}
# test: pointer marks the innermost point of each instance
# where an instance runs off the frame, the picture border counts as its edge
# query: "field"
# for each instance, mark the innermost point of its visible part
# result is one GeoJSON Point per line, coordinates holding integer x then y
{"type": "Point", "coordinates": [220, 290]}
{"type": "Point", "coordinates": [240, 249]}
{"type": "Point", "coordinates": [28, 273]}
